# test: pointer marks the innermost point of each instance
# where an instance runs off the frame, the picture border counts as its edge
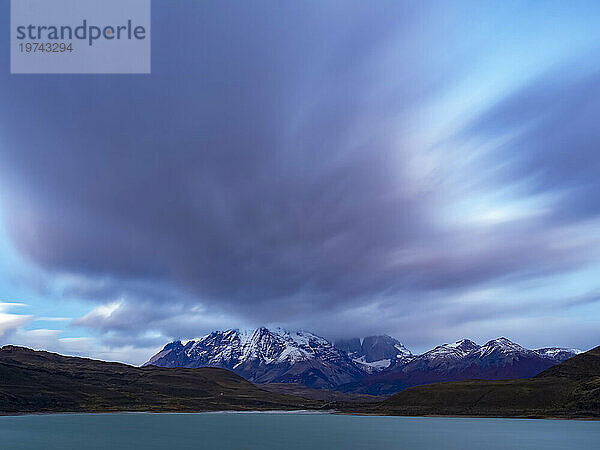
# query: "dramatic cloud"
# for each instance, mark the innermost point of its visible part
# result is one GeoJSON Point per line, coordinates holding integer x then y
{"type": "Point", "coordinates": [282, 164]}
{"type": "Point", "coordinates": [26, 330]}
{"type": "Point", "coordinates": [553, 140]}
{"type": "Point", "coordinates": [11, 322]}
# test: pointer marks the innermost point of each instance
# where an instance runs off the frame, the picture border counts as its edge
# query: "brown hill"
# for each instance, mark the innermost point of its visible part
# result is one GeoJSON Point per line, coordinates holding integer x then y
{"type": "Point", "coordinates": [38, 381]}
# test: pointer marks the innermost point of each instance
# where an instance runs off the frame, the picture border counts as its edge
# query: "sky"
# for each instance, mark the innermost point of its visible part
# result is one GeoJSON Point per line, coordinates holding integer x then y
{"type": "Point", "coordinates": [427, 170]}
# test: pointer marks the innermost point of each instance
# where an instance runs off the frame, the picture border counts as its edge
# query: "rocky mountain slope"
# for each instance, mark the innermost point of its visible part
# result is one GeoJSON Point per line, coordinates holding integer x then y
{"type": "Point", "coordinates": [37, 381]}
{"type": "Point", "coordinates": [375, 353]}
{"type": "Point", "coordinates": [265, 356]}
{"type": "Point", "coordinates": [464, 360]}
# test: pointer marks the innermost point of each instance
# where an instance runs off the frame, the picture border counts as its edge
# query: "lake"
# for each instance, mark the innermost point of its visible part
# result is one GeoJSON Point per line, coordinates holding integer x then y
{"type": "Point", "coordinates": [289, 431]}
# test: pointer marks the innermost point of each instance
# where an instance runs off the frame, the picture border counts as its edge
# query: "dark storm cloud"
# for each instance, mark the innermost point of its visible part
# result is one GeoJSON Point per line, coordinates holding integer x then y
{"type": "Point", "coordinates": [249, 172]}
{"type": "Point", "coordinates": [261, 170]}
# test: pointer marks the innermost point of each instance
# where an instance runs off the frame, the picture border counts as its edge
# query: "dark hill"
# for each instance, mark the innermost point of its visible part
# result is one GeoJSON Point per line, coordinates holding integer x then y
{"type": "Point", "coordinates": [570, 389]}
{"type": "Point", "coordinates": [585, 365]}
{"type": "Point", "coordinates": [38, 381]}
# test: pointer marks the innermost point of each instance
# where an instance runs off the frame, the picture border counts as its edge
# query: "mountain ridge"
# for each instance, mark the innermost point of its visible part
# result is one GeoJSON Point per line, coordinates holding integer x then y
{"type": "Point", "coordinates": [497, 359]}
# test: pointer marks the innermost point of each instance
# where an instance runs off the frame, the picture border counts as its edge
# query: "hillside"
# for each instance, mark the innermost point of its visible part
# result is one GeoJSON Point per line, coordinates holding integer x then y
{"type": "Point", "coordinates": [325, 395]}
{"type": "Point", "coordinates": [570, 389]}
{"type": "Point", "coordinates": [38, 381]}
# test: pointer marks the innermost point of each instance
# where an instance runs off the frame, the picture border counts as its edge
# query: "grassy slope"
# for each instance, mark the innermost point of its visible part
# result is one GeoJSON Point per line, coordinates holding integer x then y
{"type": "Point", "coordinates": [32, 381]}
{"type": "Point", "coordinates": [325, 395]}
{"type": "Point", "coordinates": [568, 389]}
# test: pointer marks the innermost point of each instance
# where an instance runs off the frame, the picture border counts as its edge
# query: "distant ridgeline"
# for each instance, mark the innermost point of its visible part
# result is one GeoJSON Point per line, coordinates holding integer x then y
{"type": "Point", "coordinates": [377, 365]}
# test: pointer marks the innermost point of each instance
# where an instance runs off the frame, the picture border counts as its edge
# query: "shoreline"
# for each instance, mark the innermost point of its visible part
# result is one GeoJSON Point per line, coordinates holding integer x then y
{"type": "Point", "coordinates": [298, 412]}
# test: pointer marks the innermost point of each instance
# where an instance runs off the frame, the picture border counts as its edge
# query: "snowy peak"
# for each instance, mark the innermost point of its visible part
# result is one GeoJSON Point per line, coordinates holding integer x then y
{"type": "Point", "coordinates": [265, 355]}
{"type": "Point", "coordinates": [465, 346]}
{"type": "Point", "coordinates": [558, 354]}
{"type": "Point", "coordinates": [502, 346]}
{"type": "Point", "coordinates": [233, 347]}
{"type": "Point", "coordinates": [456, 350]}
{"type": "Point", "coordinates": [375, 353]}
{"type": "Point", "coordinates": [376, 348]}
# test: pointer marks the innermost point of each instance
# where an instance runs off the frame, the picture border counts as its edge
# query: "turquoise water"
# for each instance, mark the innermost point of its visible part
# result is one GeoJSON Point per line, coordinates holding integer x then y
{"type": "Point", "coordinates": [289, 431]}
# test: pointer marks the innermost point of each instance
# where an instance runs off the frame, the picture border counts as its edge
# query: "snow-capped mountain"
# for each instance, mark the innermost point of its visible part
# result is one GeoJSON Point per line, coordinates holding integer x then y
{"type": "Point", "coordinates": [558, 354]}
{"type": "Point", "coordinates": [496, 359]}
{"type": "Point", "coordinates": [445, 355]}
{"type": "Point", "coordinates": [501, 347]}
{"type": "Point", "coordinates": [374, 364]}
{"type": "Point", "coordinates": [375, 353]}
{"type": "Point", "coordinates": [265, 356]}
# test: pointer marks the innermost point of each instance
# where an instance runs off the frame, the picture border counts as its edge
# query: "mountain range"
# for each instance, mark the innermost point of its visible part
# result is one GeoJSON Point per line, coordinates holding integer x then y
{"type": "Point", "coordinates": [377, 365]}
{"type": "Point", "coordinates": [497, 359]}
